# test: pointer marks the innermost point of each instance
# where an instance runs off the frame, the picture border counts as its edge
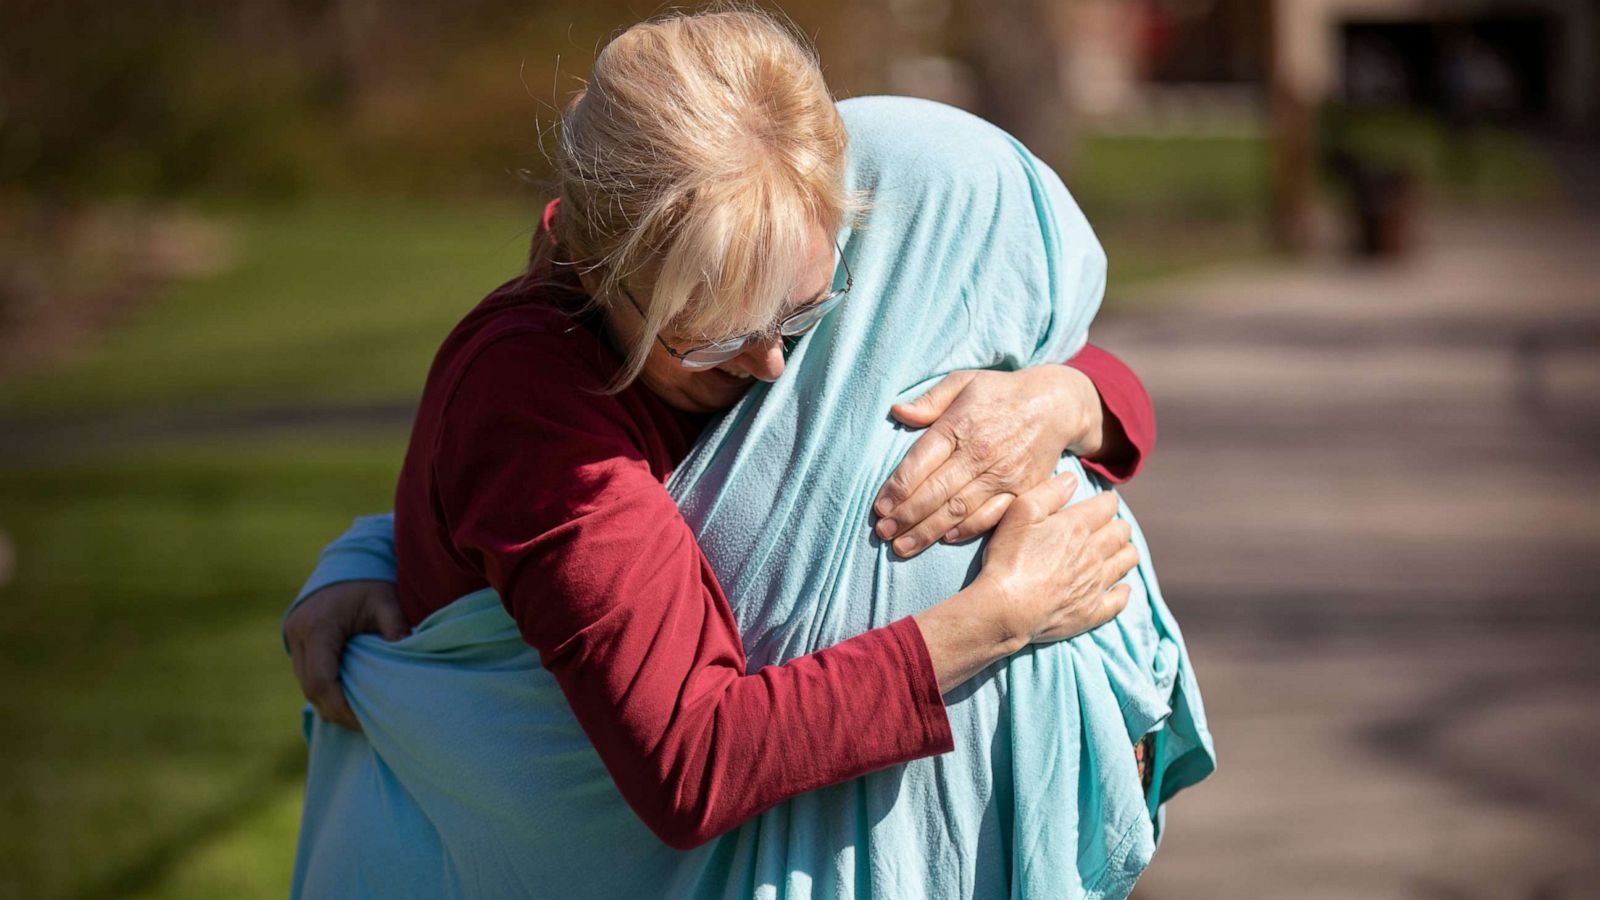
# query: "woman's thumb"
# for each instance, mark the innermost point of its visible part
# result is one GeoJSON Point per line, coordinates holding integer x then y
{"type": "Point", "coordinates": [926, 409]}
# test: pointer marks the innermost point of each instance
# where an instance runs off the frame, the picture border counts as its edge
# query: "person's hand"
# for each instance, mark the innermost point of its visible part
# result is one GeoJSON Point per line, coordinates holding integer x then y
{"type": "Point", "coordinates": [991, 435]}
{"type": "Point", "coordinates": [1058, 569]}
{"type": "Point", "coordinates": [323, 623]}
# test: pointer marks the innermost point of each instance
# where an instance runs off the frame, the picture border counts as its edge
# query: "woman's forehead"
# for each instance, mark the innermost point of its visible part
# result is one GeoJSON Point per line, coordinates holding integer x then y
{"type": "Point", "coordinates": [699, 321]}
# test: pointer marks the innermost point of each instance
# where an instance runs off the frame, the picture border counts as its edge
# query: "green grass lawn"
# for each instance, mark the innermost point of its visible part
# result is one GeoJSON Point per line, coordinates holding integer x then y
{"type": "Point", "coordinates": [1483, 165]}
{"type": "Point", "coordinates": [149, 739]}
{"type": "Point", "coordinates": [150, 712]}
{"type": "Point", "coordinates": [1119, 179]}
{"type": "Point", "coordinates": [1166, 205]}
{"type": "Point", "coordinates": [328, 303]}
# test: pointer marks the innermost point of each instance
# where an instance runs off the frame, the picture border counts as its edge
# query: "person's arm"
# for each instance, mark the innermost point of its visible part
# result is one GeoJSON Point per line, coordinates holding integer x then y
{"type": "Point", "coordinates": [991, 435]}
{"type": "Point", "coordinates": [350, 592]}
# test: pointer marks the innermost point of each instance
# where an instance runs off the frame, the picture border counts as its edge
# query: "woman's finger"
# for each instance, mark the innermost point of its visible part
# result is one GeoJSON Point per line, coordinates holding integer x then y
{"type": "Point", "coordinates": [929, 530]}
{"type": "Point", "coordinates": [981, 522]}
{"type": "Point", "coordinates": [925, 457]}
{"type": "Point", "coordinates": [321, 683]}
{"type": "Point", "coordinates": [297, 657]}
{"type": "Point", "coordinates": [926, 409]}
{"type": "Point", "coordinates": [1044, 499]}
{"type": "Point", "coordinates": [1111, 537]}
{"type": "Point", "coordinates": [1114, 601]}
{"type": "Point", "coordinates": [383, 613]}
{"type": "Point", "coordinates": [950, 494]}
{"type": "Point", "coordinates": [1093, 514]}
{"type": "Point", "coordinates": [1119, 565]}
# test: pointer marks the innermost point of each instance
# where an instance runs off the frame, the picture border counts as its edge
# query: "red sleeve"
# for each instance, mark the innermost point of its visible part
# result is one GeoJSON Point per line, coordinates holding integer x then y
{"type": "Point", "coordinates": [550, 491]}
{"type": "Point", "coordinates": [1130, 419]}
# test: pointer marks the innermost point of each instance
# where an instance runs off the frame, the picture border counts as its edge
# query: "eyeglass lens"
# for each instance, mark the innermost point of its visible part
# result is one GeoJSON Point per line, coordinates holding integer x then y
{"type": "Point", "coordinates": [794, 326]}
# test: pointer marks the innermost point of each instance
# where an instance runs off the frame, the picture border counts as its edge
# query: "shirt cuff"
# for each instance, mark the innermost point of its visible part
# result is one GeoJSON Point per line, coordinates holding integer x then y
{"type": "Point", "coordinates": [924, 685]}
{"type": "Point", "coordinates": [363, 553]}
{"type": "Point", "coordinates": [1127, 406]}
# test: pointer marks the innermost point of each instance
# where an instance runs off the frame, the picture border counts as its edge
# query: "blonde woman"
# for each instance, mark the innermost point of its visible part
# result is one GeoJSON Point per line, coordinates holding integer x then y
{"type": "Point", "coordinates": [573, 645]}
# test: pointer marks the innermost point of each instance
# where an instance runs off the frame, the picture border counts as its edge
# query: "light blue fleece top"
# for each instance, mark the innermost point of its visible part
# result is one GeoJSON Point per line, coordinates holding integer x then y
{"type": "Point", "coordinates": [472, 778]}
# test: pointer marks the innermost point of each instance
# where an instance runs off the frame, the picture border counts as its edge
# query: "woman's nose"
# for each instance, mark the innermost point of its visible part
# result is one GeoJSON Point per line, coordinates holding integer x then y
{"type": "Point", "coordinates": [764, 359]}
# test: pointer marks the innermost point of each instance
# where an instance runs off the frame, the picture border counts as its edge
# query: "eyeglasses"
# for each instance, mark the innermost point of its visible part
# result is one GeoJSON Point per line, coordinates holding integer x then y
{"type": "Point", "coordinates": [715, 353]}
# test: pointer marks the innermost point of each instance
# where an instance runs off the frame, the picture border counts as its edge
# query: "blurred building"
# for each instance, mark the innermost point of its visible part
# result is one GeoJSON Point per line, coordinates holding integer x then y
{"type": "Point", "coordinates": [1186, 66]}
{"type": "Point", "coordinates": [1533, 62]}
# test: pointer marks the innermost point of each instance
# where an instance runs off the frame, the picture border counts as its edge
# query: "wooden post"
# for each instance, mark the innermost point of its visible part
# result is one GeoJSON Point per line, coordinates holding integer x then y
{"type": "Point", "coordinates": [1292, 137]}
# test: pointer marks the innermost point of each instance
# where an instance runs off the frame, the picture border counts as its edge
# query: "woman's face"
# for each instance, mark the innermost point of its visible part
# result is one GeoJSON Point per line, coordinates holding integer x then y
{"type": "Point", "coordinates": [717, 388]}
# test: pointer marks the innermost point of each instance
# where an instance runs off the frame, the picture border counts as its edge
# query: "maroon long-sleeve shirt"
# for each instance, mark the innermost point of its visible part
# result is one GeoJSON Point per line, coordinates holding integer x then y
{"type": "Point", "coordinates": [522, 475]}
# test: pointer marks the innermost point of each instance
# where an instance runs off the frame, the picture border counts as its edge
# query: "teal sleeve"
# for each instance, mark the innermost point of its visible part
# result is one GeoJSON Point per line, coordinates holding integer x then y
{"type": "Point", "coordinates": [364, 552]}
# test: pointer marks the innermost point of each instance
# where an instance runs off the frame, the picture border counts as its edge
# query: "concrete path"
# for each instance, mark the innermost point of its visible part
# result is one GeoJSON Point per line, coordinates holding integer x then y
{"type": "Point", "coordinates": [1376, 510]}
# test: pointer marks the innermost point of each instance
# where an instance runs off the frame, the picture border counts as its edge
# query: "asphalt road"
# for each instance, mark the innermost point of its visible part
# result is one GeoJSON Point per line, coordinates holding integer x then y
{"type": "Point", "coordinates": [1375, 508]}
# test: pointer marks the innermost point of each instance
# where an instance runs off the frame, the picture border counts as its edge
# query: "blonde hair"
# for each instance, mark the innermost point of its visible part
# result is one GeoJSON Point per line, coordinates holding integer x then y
{"type": "Point", "coordinates": [698, 157]}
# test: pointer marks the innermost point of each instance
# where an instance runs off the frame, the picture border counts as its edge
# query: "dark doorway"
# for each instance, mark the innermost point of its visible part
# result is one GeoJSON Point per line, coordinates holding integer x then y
{"type": "Point", "coordinates": [1484, 68]}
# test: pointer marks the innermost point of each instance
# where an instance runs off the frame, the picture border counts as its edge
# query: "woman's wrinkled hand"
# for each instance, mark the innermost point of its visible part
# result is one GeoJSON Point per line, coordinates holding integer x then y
{"type": "Point", "coordinates": [990, 436]}
{"type": "Point", "coordinates": [1059, 569]}
{"type": "Point", "coordinates": [323, 623]}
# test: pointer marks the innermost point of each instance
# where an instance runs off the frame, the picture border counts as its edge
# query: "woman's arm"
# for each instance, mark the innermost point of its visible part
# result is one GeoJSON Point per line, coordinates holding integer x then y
{"type": "Point", "coordinates": [991, 435]}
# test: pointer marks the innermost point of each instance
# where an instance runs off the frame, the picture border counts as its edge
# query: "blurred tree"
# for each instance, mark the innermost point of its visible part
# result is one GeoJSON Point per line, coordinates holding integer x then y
{"type": "Point", "coordinates": [1015, 53]}
{"type": "Point", "coordinates": [270, 98]}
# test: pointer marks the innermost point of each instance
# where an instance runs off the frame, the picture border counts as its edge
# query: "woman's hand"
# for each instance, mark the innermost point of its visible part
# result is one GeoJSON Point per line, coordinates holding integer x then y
{"type": "Point", "coordinates": [323, 623]}
{"type": "Point", "coordinates": [1049, 573]}
{"type": "Point", "coordinates": [991, 436]}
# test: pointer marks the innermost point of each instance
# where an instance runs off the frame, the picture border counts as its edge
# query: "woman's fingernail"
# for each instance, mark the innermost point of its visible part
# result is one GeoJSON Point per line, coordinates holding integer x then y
{"type": "Point", "coordinates": [883, 506]}
{"type": "Point", "coordinates": [888, 527]}
{"type": "Point", "coordinates": [904, 546]}
{"type": "Point", "coordinates": [951, 535]}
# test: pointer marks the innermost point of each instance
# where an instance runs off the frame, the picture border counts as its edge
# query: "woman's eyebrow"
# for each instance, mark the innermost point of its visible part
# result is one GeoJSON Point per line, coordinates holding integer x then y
{"type": "Point", "coordinates": [816, 297]}
{"type": "Point", "coordinates": [784, 313]}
